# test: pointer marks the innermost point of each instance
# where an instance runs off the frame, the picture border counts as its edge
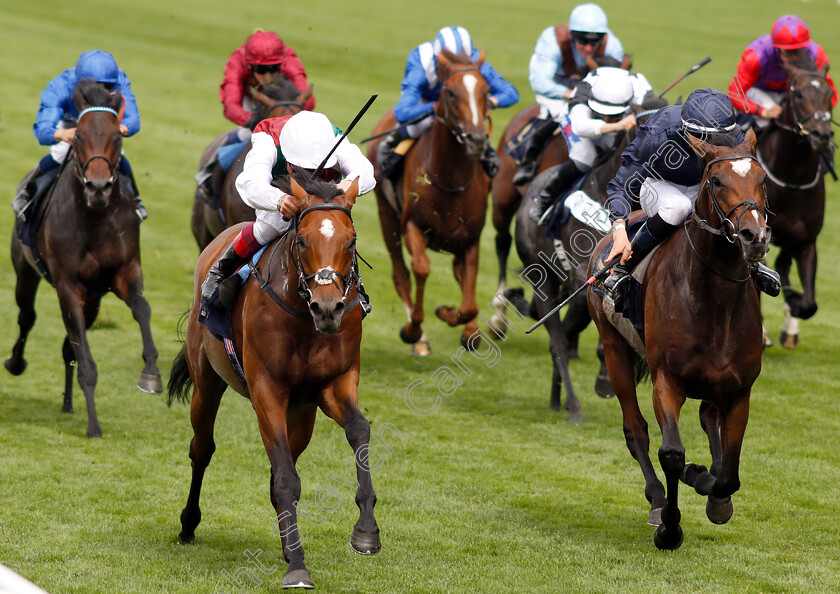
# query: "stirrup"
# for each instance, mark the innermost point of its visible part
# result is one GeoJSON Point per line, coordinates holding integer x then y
{"type": "Point", "coordinates": [767, 280]}
{"type": "Point", "coordinates": [20, 204]}
{"type": "Point", "coordinates": [619, 277]}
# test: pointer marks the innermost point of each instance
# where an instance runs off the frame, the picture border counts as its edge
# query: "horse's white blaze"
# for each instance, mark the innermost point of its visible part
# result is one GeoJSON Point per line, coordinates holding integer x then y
{"type": "Point", "coordinates": [470, 82]}
{"type": "Point", "coordinates": [741, 166]}
{"type": "Point", "coordinates": [327, 229]}
{"type": "Point", "coordinates": [755, 214]}
{"type": "Point", "coordinates": [815, 83]}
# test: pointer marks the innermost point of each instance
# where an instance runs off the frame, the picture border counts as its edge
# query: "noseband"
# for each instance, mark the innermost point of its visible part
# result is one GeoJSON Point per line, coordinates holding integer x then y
{"type": "Point", "coordinates": [112, 167]}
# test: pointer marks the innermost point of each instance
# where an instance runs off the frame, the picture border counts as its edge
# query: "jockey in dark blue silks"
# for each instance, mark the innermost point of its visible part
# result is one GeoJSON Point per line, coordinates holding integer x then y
{"type": "Point", "coordinates": [55, 125]}
{"type": "Point", "coordinates": [661, 172]}
{"type": "Point", "coordinates": [420, 89]}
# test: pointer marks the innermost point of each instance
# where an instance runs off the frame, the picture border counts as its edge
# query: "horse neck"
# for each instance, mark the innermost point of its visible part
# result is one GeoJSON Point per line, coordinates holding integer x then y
{"type": "Point", "coordinates": [447, 159]}
{"type": "Point", "coordinates": [285, 268]}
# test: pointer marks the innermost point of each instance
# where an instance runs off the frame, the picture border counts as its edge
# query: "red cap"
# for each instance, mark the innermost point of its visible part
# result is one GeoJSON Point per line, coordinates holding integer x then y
{"type": "Point", "coordinates": [790, 32]}
{"type": "Point", "coordinates": [263, 48]}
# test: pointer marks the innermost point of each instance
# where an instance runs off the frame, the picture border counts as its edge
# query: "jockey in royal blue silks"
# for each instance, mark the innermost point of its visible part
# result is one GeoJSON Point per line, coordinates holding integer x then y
{"type": "Point", "coordinates": [420, 89]}
{"type": "Point", "coordinates": [661, 172]}
{"type": "Point", "coordinates": [55, 125]}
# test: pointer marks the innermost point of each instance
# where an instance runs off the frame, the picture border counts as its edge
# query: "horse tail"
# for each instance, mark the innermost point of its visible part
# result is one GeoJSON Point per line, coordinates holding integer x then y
{"type": "Point", "coordinates": [179, 379]}
{"type": "Point", "coordinates": [640, 368]}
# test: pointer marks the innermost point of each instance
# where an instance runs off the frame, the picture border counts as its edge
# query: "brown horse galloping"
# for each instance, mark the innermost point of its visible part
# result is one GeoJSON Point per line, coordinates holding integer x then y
{"type": "Point", "coordinates": [441, 198]}
{"type": "Point", "coordinates": [299, 340]}
{"type": "Point", "coordinates": [89, 244]}
{"type": "Point", "coordinates": [790, 152]}
{"type": "Point", "coordinates": [280, 98]}
{"type": "Point", "coordinates": [702, 337]}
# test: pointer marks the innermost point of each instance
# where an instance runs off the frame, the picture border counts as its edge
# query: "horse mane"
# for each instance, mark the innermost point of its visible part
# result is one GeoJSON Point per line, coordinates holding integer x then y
{"type": "Point", "coordinates": [461, 59]}
{"type": "Point", "coordinates": [282, 89]}
{"type": "Point", "coordinates": [802, 60]}
{"type": "Point", "coordinates": [89, 93]}
{"type": "Point", "coordinates": [311, 185]}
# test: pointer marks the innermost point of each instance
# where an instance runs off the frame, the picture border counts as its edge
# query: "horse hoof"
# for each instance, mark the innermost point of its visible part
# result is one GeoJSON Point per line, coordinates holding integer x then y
{"type": "Point", "coordinates": [668, 540]}
{"type": "Point", "coordinates": [655, 517]}
{"type": "Point", "coordinates": [67, 409]}
{"type": "Point", "coordinates": [443, 312]}
{"type": "Point", "coordinates": [407, 338]}
{"type": "Point", "coordinates": [497, 328]}
{"type": "Point", "coordinates": [298, 578]}
{"type": "Point", "coordinates": [421, 349]}
{"type": "Point", "coordinates": [471, 342]}
{"type": "Point", "coordinates": [788, 341]}
{"type": "Point", "coordinates": [603, 386]}
{"type": "Point", "coordinates": [576, 417]}
{"type": "Point", "coordinates": [185, 538]}
{"type": "Point", "coordinates": [15, 368]}
{"type": "Point", "coordinates": [573, 355]}
{"type": "Point", "coordinates": [95, 432]}
{"type": "Point", "coordinates": [149, 383]}
{"type": "Point", "coordinates": [365, 543]}
{"type": "Point", "coordinates": [719, 511]}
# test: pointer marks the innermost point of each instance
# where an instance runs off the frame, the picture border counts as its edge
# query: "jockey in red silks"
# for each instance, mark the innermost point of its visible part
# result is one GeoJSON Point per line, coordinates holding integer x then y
{"type": "Point", "coordinates": [760, 83]}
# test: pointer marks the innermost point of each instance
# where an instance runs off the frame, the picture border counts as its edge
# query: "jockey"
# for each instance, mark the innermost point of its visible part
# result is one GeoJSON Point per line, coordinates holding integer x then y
{"type": "Point", "coordinates": [599, 108]}
{"type": "Point", "coordinates": [259, 60]}
{"type": "Point", "coordinates": [55, 124]}
{"type": "Point", "coordinates": [558, 64]}
{"type": "Point", "coordinates": [760, 83]}
{"type": "Point", "coordinates": [420, 89]}
{"type": "Point", "coordinates": [279, 146]}
{"type": "Point", "coordinates": [666, 182]}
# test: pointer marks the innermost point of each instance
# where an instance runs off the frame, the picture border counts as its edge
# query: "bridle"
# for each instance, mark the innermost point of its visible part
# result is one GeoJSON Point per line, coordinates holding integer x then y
{"type": "Point", "coordinates": [277, 104]}
{"type": "Point", "coordinates": [82, 168]}
{"type": "Point", "coordinates": [728, 230]}
{"type": "Point", "coordinates": [323, 276]}
{"type": "Point", "coordinates": [798, 121]}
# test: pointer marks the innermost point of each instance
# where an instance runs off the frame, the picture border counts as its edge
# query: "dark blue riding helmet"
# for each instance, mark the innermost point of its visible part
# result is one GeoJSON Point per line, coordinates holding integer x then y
{"type": "Point", "coordinates": [708, 113]}
{"type": "Point", "coordinates": [98, 65]}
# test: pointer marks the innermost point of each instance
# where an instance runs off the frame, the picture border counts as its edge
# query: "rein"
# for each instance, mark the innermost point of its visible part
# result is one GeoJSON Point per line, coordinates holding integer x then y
{"type": "Point", "coordinates": [782, 184]}
{"type": "Point", "coordinates": [728, 230]}
{"type": "Point", "coordinates": [324, 276]}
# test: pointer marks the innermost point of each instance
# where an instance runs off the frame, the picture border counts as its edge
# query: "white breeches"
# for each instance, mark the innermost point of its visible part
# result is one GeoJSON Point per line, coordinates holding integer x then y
{"type": "Point", "coordinates": [554, 109]}
{"type": "Point", "coordinates": [583, 150]}
{"type": "Point", "coordinates": [269, 225]}
{"type": "Point", "coordinates": [672, 202]}
{"type": "Point", "coordinates": [765, 99]}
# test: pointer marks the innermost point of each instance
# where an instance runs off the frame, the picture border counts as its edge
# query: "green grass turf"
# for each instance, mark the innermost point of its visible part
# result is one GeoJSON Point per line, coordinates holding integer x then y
{"type": "Point", "coordinates": [491, 493]}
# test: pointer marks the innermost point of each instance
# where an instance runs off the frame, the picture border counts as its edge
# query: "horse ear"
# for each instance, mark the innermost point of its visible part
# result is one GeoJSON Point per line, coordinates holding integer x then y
{"type": "Point", "coordinates": [750, 139]}
{"type": "Point", "coordinates": [298, 192]}
{"type": "Point", "coordinates": [443, 63]}
{"type": "Point", "coordinates": [305, 95]}
{"type": "Point", "coordinates": [481, 59]}
{"type": "Point", "coordinates": [700, 146]}
{"type": "Point", "coordinates": [349, 196]}
{"type": "Point", "coordinates": [626, 63]}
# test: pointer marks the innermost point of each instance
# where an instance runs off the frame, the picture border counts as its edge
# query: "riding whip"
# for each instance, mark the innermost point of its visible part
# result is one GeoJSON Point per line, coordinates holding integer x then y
{"type": "Point", "coordinates": [346, 132]}
{"type": "Point", "coordinates": [598, 275]}
{"type": "Point", "coordinates": [691, 70]}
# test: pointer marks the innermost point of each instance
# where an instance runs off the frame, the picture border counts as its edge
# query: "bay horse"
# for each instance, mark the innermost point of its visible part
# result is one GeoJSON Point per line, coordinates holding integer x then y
{"type": "Point", "coordinates": [702, 336]}
{"type": "Point", "coordinates": [274, 100]}
{"type": "Point", "coordinates": [441, 199]}
{"type": "Point", "coordinates": [790, 151]}
{"type": "Point", "coordinates": [299, 331]}
{"type": "Point", "coordinates": [88, 244]}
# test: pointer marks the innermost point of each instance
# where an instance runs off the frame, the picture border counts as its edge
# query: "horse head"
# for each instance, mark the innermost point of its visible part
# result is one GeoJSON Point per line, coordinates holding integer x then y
{"type": "Point", "coordinates": [731, 203]}
{"type": "Point", "coordinates": [279, 97]}
{"type": "Point", "coordinates": [98, 142]}
{"type": "Point", "coordinates": [324, 249]}
{"type": "Point", "coordinates": [463, 100]}
{"type": "Point", "coordinates": [807, 109]}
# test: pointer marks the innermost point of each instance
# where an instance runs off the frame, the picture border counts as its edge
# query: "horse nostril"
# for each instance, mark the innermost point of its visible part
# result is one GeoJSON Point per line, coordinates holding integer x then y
{"type": "Point", "coordinates": [339, 308]}
{"type": "Point", "coordinates": [316, 309]}
{"type": "Point", "coordinates": [748, 236]}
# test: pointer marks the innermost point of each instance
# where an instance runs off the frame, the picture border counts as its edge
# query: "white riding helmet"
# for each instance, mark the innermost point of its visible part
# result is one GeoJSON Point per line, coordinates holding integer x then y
{"type": "Point", "coordinates": [588, 18]}
{"type": "Point", "coordinates": [456, 39]}
{"type": "Point", "coordinates": [307, 138]}
{"type": "Point", "coordinates": [612, 90]}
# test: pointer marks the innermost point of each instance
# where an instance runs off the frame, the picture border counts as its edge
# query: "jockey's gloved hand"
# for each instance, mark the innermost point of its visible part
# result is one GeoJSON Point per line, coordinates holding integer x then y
{"type": "Point", "coordinates": [252, 122]}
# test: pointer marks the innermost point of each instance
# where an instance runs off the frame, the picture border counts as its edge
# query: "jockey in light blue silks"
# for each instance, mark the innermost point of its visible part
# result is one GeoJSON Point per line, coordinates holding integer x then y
{"type": "Point", "coordinates": [558, 65]}
{"type": "Point", "coordinates": [420, 89]}
{"type": "Point", "coordinates": [55, 125]}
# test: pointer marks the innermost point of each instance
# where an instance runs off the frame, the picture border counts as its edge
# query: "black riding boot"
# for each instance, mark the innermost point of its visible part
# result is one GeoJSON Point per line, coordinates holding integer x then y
{"type": "Point", "coordinates": [24, 197]}
{"type": "Point", "coordinates": [543, 129]}
{"type": "Point", "coordinates": [364, 299]}
{"type": "Point", "coordinates": [385, 155]}
{"type": "Point", "coordinates": [766, 279]}
{"type": "Point", "coordinates": [651, 234]}
{"type": "Point", "coordinates": [489, 160]}
{"type": "Point", "coordinates": [224, 267]}
{"type": "Point", "coordinates": [204, 179]}
{"type": "Point", "coordinates": [563, 177]}
{"type": "Point", "coordinates": [138, 205]}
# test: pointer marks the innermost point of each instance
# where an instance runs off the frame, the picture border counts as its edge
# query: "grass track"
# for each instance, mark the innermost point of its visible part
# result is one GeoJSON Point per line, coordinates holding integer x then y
{"type": "Point", "coordinates": [492, 492]}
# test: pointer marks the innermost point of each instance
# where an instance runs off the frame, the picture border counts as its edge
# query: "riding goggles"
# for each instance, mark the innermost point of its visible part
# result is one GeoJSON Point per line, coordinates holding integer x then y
{"type": "Point", "coordinates": [589, 39]}
{"type": "Point", "coordinates": [265, 68]}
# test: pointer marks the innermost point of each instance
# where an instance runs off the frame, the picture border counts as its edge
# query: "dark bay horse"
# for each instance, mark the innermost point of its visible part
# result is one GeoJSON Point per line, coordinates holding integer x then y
{"type": "Point", "coordinates": [89, 244]}
{"type": "Point", "coordinates": [790, 151]}
{"type": "Point", "coordinates": [441, 198]}
{"type": "Point", "coordinates": [275, 100]}
{"type": "Point", "coordinates": [299, 340]}
{"type": "Point", "coordinates": [702, 337]}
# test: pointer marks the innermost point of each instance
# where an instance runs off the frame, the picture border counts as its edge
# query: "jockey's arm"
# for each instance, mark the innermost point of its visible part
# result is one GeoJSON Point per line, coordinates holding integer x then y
{"type": "Point", "coordinates": [503, 92]}
{"type": "Point", "coordinates": [292, 68]}
{"type": "Point", "coordinates": [544, 65]}
{"type": "Point", "coordinates": [822, 62]}
{"type": "Point", "coordinates": [131, 115]}
{"type": "Point", "coordinates": [411, 103]}
{"type": "Point", "coordinates": [749, 69]}
{"type": "Point", "coordinates": [59, 92]}
{"type": "Point", "coordinates": [353, 164]}
{"type": "Point", "coordinates": [231, 91]}
{"type": "Point", "coordinates": [254, 183]}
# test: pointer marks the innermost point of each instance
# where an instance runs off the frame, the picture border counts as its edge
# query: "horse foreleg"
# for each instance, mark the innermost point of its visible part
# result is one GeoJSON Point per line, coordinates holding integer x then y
{"type": "Point", "coordinates": [25, 289]}
{"type": "Point", "coordinates": [390, 225]}
{"type": "Point", "coordinates": [603, 386]}
{"type": "Point", "coordinates": [804, 305]}
{"type": "Point", "coordinates": [560, 359]}
{"type": "Point", "coordinates": [465, 268]}
{"type": "Point", "coordinates": [574, 322]}
{"type": "Point", "coordinates": [710, 422]}
{"type": "Point", "coordinates": [207, 392]}
{"type": "Point", "coordinates": [271, 401]}
{"type": "Point", "coordinates": [128, 286]}
{"type": "Point", "coordinates": [73, 312]}
{"type": "Point", "coordinates": [69, 366]}
{"type": "Point", "coordinates": [415, 241]}
{"type": "Point", "coordinates": [340, 402]}
{"type": "Point", "coordinates": [620, 361]}
{"type": "Point", "coordinates": [667, 402]}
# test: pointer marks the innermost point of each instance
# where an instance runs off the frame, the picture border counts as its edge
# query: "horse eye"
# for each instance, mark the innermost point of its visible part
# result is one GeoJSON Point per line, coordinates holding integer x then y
{"type": "Point", "coordinates": [300, 241]}
{"type": "Point", "coordinates": [716, 181]}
